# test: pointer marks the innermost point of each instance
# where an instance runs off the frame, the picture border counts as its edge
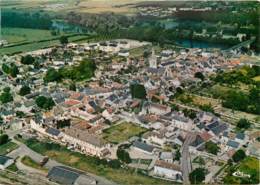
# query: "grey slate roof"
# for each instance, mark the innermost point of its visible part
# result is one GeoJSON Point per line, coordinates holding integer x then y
{"type": "Point", "coordinates": [53, 131]}
{"type": "Point", "coordinates": [197, 141]}
{"type": "Point", "coordinates": [4, 159]}
{"type": "Point", "coordinates": [233, 144]}
{"type": "Point", "coordinates": [219, 129]}
{"type": "Point", "coordinates": [63, 175]}
{"type": "Point", "coordinates": [143, 146]}
{"type": "Point", "coordinates": [240, 136]}
{"type": "Point", "coordinates": [216, 127]}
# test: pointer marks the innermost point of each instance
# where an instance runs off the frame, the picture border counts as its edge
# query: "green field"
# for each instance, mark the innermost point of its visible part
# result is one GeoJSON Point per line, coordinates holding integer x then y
{"type": "Point", "coordinates": [91, 164]}
{"type": "Point", "coordinates": [250, 166]}
{"type": "Point", "coordinates": [25, 40]}
{"type": "Point", "coordinates": [19, 35]}
{"type": "Point", "coordinates": [122, 132]}
{"type": "Point", "coordinates": [7, 148]}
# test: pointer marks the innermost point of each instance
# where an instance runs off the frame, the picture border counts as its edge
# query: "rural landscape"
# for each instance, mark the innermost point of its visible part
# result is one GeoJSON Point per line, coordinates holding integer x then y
{"type": "Point", "coordinates": [107, 92]}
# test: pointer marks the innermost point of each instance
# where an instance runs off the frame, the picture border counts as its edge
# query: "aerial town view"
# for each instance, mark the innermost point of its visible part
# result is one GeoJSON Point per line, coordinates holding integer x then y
{"type": "Point", "coordinates": [129, 92]}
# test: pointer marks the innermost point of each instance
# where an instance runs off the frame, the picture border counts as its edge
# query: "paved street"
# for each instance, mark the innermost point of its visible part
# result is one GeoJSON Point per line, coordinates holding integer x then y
{"type": "Point", "coordinates": [185, 159]}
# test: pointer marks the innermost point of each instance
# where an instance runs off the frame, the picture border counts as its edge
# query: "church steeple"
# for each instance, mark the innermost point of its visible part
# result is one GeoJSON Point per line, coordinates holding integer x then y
{"type": "Point", "coordinates": [153, 60]}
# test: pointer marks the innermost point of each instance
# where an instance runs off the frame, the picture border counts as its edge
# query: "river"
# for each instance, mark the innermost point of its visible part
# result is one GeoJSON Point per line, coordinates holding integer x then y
{"type": "Point", "coordinates": [200, 44]}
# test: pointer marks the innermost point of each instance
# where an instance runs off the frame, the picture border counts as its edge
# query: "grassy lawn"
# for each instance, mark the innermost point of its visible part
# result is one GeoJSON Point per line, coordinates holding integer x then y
{"type": "Point", "coordinates": [137, 52]}
{"type": "Point", "coordinates": [26, 160]}
{"type": "Point", "coordinates": [257, 78]}
{"type": "Point", "coordinates": [249, 165]}
{"type": "Point", "coordinates": [7, 148]}
{"type": "Point", "coordinates": [91, 164]}
{"type": "Point", "coordinates": [142, 161]}
{"type": "Point", "coordinates": [12, 168]}
{"type": "Point", "coordinates": [122, 132]}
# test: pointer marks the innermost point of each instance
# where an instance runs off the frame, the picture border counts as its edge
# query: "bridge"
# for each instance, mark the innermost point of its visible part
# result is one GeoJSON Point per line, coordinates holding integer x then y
{"type": "Point", "coordinates": [242, 44]}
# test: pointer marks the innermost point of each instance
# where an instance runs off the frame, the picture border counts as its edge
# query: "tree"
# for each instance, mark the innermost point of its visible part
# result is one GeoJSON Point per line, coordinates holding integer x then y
{"type": "Point", "coordinates": [27, 60]}
{"type": "Point", "coordinates": [1, 122]}
{"type": "Point", "coordinates": [63, 123]}
{"type": "Point", "coordinates": [6, 96]}
{"type": "Point", "coordinates": [85, 70]}
{"type": "Point", "coordinates": [3, 139]}
{"type": "Point", "coordinates": [138, 91]}
{"type": "Point", "coordinates": [44, 102]}
{"type": "Point", "coordinates": [20, 114]}
{"type": "Point", "coordinates": [189, 113]}
{"type": "Point", "coordinates": [11, 70]}
{"type": "Point", "coordinates": [177, 155]}
{"type": "Point", "coordinates": [239, 155]}
{"type": "Point", "coordinates": [14, 71]}
{"type": "Point", "coordinates": [243, 124]}
{"type": "Point", "coordinates": [197, 175]}
{"type": "Point", "coordinates": [64, 40]}
{"type": "Point", "coordinates": [7, 89]}
{"type": "Point", "coordinates": [199, 75]}
{"type": "Point", "coordinates": [212, 147]}
{"type": "Point", "coordinates": [5, 68]}
{"type": "Point", "coordinates": [25, 90]}
{"type": "Point", "coordinates": [52, 75]}
{"type": "Point", "coordinates": [123, 155]}
{"type": "Point", "coordinates": [72, 87]}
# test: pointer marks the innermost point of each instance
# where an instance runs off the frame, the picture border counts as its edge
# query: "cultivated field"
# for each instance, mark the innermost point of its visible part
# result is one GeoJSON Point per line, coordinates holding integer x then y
{"type": "Point", "coordinates": [84, 6]}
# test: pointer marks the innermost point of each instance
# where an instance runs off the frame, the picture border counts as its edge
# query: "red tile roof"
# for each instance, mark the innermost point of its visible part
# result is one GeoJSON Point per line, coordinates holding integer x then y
{"type": "Point", "coordinates": [205, 136]}
{"type": "Point", "coordinates": [72, 102]}
{"type": "Point", "coordinates": [167, 165]}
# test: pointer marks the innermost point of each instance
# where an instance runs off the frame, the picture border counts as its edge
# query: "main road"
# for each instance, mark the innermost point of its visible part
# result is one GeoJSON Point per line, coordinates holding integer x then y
{"type": "Point", "coordinates": [185, 158]}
